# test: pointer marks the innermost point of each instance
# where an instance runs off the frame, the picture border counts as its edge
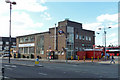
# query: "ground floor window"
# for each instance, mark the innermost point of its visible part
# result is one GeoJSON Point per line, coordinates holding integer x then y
{"type": "Point", "coordinates": [31, 50]}
{"type": "Point", "coordinates": [27, 50]}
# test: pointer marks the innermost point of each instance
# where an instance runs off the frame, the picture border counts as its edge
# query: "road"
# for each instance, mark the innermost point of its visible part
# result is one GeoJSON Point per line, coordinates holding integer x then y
{"type": "Point", "coordinates": [59, 70]}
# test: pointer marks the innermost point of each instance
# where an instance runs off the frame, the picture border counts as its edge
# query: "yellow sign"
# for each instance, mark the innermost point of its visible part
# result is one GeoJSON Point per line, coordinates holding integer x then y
{"type": "Point", "coordinates": [98, 58]}
{"type": "Point", "coordinates": [84, 58]}
{"type": "Point", "coordinates": [71, 57]}
{"type": "Point", "coordinates": [78, 58]}
{"type": "Point", "coordinates": [36, 62]}
{"type": "Point", "coordinates": [92, 59]}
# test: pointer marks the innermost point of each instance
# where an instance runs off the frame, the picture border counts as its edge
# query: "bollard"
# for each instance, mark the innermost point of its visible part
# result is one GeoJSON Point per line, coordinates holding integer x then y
{"type": "Point", "coordinates": [107, 57]}
{"type": "Point", "coordinates": [71, 58]}
{"type": "Point", "coordinates": [92, 59]}
{"type": "Point", "coordinates": [103, 57]}
{"type": "Point", "coordinates": [78, 58]}
{"type": "Point", "coordinates": [36, 61]}
{"type": "Point", "coordinates": [84, 58]}
{"type": "Point", "coordinates": [98, 58]}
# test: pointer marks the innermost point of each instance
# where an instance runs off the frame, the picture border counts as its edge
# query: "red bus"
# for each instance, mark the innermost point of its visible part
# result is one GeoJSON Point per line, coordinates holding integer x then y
{"type": "Point", "coordinates": [115, 51]}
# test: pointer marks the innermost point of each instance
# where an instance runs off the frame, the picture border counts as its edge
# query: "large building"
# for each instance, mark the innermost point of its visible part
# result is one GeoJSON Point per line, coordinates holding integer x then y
{"type": "Point", "coordinates": [68, 37]}
{"type": "Point", "coordinates": [4, 44]}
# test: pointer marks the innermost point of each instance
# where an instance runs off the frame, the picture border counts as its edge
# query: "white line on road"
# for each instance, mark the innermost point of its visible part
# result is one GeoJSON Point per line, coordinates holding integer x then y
{"type": "Point", "coordinates": [4, 77]}
{"type": "Point", "coordinates": [64, 72]}
{"type": "Point", "coordinates": [42, 74]}
{"type": "Point", "coordinates": [13, 66]}
{"type": "Point", "coordinates": [9, 68]}
{"type": "Point", "coordinates": [77, 71]}
{"type": "Point", "coordinates": [6, 65]}
{"type": "Point", "coordinates": [74, 65]}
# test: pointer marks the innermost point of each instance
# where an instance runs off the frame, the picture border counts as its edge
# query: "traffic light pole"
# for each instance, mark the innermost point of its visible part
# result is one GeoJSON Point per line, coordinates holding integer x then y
{"type": "Point", "coordinates": [10, 32]}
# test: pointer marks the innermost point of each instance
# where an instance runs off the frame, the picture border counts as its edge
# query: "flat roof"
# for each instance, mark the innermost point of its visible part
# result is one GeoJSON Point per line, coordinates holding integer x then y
{"type": "Point", "coordinates": [33, 34]}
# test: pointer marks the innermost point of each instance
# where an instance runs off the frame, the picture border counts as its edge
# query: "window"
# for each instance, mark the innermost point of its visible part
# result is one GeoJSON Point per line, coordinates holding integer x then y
{"type": "Point", "coordinates": [76, 48]}
{"type": "Point", "coordinates": [83, 37]}
{"type": "Point", "coordinates": [31, 50]}
{"type": "Point", "coordinates": [83, 45]}
{"type": "Point", "coordinates": [0, 47]}
{"type": "Point", "coordinates": [79, 49]}
{"type": "Point", "coordinates": [25, 50]}
{"type": "Point", "coordinates": [1, 42]}
{"type": "Point", "coordinates": [14, 43]}
{"type": "Point", "coordinates": [41, 52]}
{"type": "Point", "coordinates": [7, 42]}
{"type": "Point", "coordinates": [80, 37]}
{"type": "Point", "coordinates": [76, 36]}
{"type": "Point", "coordinates": [86, 38]}
{"type": "Point", "coordinates": [20, 50]}
{"type": "Point", "coordinates": [89, 38]}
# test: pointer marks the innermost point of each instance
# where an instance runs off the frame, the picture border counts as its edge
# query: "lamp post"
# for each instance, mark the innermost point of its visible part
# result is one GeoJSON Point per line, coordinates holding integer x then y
{"type": "Point", "coordinates": [14, 3]}
{"type": "Point", "coordinates": [105, 37]}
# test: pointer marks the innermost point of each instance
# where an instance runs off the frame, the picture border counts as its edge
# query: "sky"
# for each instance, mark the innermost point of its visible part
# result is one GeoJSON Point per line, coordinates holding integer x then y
{"type": "Point", "coordinates": [34, 16]}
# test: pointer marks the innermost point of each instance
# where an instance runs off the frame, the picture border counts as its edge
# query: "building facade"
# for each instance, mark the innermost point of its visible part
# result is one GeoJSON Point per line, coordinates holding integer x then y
{"type": "Point", "coordinates": [4, 44]}
{"type": "Point", "coordinates": [67, 38]}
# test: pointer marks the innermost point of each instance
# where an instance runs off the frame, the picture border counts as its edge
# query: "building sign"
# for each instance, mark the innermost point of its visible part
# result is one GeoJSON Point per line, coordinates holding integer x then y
{"type": "Point", "coordinates": [26, 45]}
{"type": "Point", "coordinates": [60, 31]}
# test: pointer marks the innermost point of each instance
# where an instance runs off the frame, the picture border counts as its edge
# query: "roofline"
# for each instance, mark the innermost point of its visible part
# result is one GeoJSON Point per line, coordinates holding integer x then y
{"type": "Point", "coordinates": [88, 30]}
{"type": "Point", "coordinates": [7, 37]}
{"type": "Point", "coordinates": [32, 34]}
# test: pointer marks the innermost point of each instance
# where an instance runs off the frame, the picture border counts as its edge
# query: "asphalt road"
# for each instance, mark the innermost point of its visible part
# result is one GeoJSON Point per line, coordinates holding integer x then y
{"type": "Point", "coordinates": [59, 70]}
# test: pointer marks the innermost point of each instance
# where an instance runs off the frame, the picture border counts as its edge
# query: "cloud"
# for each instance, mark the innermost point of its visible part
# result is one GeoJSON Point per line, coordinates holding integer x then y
{"type": "Point", "coordinates": [30, 5]}
{"type": "Point", "coordinates": [91, 26]}
{"type": "Point", "coordinates": [22, 24]}
{"type": "Point", "coordinates": [105, 20]}
{"type": "Point", "coordinates": [46, 16]}
{"type": "Point", "coordinates": [113, 41]}
{"type": "Point", "coordinates": [108, 17]}
{"type": "Point", "coordinates": [111, 35]}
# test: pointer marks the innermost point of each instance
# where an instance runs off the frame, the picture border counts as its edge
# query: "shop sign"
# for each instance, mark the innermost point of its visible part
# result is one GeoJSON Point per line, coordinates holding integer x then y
{"type": "Point", "coordinates": [26, 45]}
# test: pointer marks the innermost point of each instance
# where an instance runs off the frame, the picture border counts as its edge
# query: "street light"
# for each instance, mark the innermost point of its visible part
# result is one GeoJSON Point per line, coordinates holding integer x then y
{"type": "Point", "coordinates": [104, 37]}
{"type": "Point", "coordinates": [14, 3]}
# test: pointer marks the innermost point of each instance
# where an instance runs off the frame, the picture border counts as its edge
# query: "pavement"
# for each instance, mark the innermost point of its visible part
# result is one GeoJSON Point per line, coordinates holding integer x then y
{"type": "Point", "coordinates": [62, 61]}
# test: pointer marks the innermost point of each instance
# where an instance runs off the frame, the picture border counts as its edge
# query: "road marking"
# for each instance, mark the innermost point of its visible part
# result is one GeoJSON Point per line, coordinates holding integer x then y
{"type": "Point", "coordinates": [6, 65]}
{"type": "Point", "coordinates": [77, 71]}
{"type": "Point", "coordinates": [64, 72]}
{"type": "Point", "coordinates": [42, 74]}
{"type": "Point", "coordinates": [13, 66]}
{"type": "Point", "coordinates": [9, 68]}
{"type": "Point", "coordinates": [4, 77]}
{"type": "Point", "coordinates": [74, 65]}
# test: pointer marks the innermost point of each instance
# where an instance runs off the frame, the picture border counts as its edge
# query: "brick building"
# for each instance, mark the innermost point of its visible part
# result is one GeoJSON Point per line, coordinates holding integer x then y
{"type": "Point", "coordinates": [4, 44]}
{"type": "Point", "coordinates": [73, 38]}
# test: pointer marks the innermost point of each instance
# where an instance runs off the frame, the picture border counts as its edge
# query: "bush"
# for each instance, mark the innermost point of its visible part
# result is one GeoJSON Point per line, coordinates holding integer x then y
{"type": "Point", "coordinates": [27, 56]}
{"type": "Point", "coordinates": [32, 56]}
{"type": "Point", "coordinates": [23, 56]}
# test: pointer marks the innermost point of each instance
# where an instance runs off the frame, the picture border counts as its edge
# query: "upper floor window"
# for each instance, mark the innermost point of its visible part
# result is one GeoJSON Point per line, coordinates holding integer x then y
{"type": "Point", "coordinates": [86, 37]}
{"type": "Point", "coordinates": [83, 38]}
{"type": "Point", "coordinates": [89, 38]}
{"type": "Point", "coordinates": [76, 36]}
{"type": "Point", "coordinates": [7, 42]}
{"type": "Point", "coordinates": [76, 48]}
{"type": "Point", "coordinates": [80, 37]}
{"type": "Point", "coordinates": [14, 43]}
{"type": "Point", "coordinates": [0, 47]}
{"type": "Point", "coordinates": [1, 42]}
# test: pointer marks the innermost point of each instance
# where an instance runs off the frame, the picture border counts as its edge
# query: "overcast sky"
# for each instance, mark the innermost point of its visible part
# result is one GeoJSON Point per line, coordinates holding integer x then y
{"type": "Point", "coordinates": [34, 16]}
